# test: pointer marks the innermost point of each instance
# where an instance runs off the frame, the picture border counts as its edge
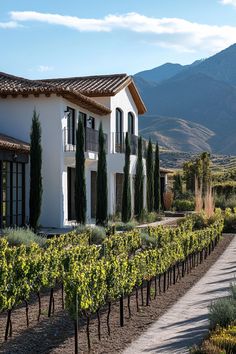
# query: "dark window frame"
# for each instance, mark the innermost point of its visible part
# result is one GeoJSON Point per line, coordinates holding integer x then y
{"type": "Point", "coordinates": [71, 126]}
{"type": "Point", "coordinates": [7, 170]}
{"type": "Point", "coordinates": [131, 123]}
{"type": "Point", "coordinates": [119, 126]}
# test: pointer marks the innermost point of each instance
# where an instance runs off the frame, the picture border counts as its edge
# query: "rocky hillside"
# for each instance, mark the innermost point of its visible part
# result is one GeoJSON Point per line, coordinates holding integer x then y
{"type": "Point", "coordinates": [202, 99]}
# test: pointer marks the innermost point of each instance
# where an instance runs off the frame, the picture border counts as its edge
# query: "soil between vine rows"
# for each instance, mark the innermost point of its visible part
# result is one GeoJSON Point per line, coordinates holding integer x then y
{"type": "Point", "coordinates": [56, 335]}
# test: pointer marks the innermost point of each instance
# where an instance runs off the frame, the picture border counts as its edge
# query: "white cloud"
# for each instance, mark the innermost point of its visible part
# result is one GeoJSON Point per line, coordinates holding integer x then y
{"type": "Point", "coordinates": [44, 68]}
{"type": "Point", "coordinates": [170, 32]}
{"type": "Point", "coordinates": [228, 2]}
{"type": "Point", "coordinates": [41, 69]}
{"type": "Point", "coordinates": [9, 25]}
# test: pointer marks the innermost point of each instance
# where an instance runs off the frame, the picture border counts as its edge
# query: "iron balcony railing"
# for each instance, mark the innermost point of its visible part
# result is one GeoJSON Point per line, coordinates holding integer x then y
{"type": "Point", "coordinates": [91, 140]}
{"type": "Point", "coordinates": [119, 143]}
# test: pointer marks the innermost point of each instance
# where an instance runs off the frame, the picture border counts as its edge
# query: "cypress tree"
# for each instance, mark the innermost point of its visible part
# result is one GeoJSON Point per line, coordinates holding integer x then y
{"type": "Point", "coordinates": [157, 181]}
{"type": "Point", "coordinates": [80, 184]}
{"type": "Point", "coordinates": [126, 196]}
{"type": "Point", "coordinates": [138, 184]}
{"type": "Point", "coordinates": [206, 172]}
{"type": "Point", "coordinates": [101, 207]}
{"type": "Point", "coordinates": [150, 180]}
{"type": "Point", "coordinates": [36, 189]}
{"type": "Point", "coordinates": [178, 185]}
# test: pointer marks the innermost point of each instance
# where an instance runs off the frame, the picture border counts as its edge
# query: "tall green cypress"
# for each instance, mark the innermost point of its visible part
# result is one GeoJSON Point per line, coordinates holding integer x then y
{"type": "Point", "coordinates": [178, 185]}
{"type": "Point", "coordinates": [149, 175]}
{"type": "Point", "coordinates": [101, 207]}
{"type": "Point", "coordinates": [157, 181]}
{"type": "Point", "coordinates": [80, 184]}
{"type": "Point", "coordinates": [36, 189]}
{"type": "Point", "coordinates": [126, 196]}
{"type": "Point", "coordinates": [206, 172]}
{"type": "Point", "coordinates": [138, 184]}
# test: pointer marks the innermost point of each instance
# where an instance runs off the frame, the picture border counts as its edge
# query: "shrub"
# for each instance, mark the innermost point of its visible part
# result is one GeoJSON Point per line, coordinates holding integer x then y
{"type": "Point", "coordinates": [207, 348]}
{"type": "Point", "coordinates": [97, 233]}
{"type": "Point", "coordinates": [232, 290]}
{"type": "Point", "coordinates": [220, 341]}
{"type": "Point", "coordinates": [223, 202]}
{"type": "Point", "coordinates": [147, 217]}
{"type": "Point", "coordinates": [23, 236]}
{"type": "Point", "coordinates": [230, 222]}
{"type": "Point", "coordinates": [226, 188]}
{"type": "Point", "coordinates": [115, 217]}
{"type": "Point", "coordinates": [129, 226]}
{"type": "Point", "coordinates": [147, 240]}
{"type": "Point", "coordinates": [81, 229]}
{"type": "Point", "coordinates": [183, 205]}
{"type": "Point", "coordinates": [198, 220]}
{"type": "Point", "coordinates": [222, 312]}
{"type": "Point", "coordinates": [225, 339]}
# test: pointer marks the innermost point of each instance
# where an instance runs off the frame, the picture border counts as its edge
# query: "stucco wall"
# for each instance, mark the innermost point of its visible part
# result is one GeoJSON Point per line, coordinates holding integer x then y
{"type": "Point", "coordinates": [15, 120]}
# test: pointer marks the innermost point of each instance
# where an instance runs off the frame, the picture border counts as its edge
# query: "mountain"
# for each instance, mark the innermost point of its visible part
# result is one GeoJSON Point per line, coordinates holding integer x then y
{"type": "Point", "coordinates": [176, 134]}
{"type": "Point", "coordinates": [163, 72]}
{"type": "Point", "coordinates": [203, 93]}
{"type": "Point", "coordinates": [221, 66]}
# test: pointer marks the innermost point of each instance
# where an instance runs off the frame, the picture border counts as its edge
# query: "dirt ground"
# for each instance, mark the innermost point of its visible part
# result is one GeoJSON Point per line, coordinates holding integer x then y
{"type": "Point", "coordinates": [56, 334]}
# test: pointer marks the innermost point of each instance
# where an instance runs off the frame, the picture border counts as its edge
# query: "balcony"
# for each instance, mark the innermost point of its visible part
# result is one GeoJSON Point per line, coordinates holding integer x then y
{"type": "Point", "coordinates": [91, 140]}
{"type": "Point", "coordinates": [119, 143]}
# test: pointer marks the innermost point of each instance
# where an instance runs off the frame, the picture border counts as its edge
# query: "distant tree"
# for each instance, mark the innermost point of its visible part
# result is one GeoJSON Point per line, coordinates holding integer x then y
{"type": "Point", "coordinates": [36, 189]}
{"type": "Point", "coordinates": [138, 184]}
{"type": "Point", "coordinates": [80, 184]}
{"type": "Point", "coordinates": [149, 174]}
{"type": "Point", "coordinates": [206, 172]}
{"type": "Point", "coordinates": [157, 181]}
{"type": "Point", "coordinates": [101, 207]}
{"type": "Point", "coordinates": [178, 185]}
{"type": "Point", "coordinates": [189, 174]}
{"type": "Point", "coordinates": [126, 197]}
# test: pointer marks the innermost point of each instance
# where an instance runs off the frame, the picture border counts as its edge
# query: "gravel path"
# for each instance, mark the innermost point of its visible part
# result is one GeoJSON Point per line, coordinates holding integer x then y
{"type": "Point", "coordinates": [185, 323]}
{"type": "Point", "coordinates": [167, 221]}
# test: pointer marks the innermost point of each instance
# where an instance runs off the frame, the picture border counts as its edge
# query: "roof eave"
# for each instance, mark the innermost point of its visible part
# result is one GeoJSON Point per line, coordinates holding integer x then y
{"type": "Point", "coordinates": [133, 90]}
{"type": "Point", "coordinates": [137, 98]}
{"type": "Point", "coordinates": [74, 97]}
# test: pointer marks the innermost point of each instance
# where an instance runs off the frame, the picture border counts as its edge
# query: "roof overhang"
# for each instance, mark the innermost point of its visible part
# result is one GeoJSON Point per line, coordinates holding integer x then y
{"type": "Point", "coordinates": [166, 170]}
{"type": "Point", "coordinates": [128, 82]}
{"type": "Point", "coordinates": [8, 143]}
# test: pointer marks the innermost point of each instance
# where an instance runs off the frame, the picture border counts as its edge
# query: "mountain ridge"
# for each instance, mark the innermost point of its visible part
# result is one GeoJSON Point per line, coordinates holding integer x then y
{"type": "Point", "coordinates": [203, 93]}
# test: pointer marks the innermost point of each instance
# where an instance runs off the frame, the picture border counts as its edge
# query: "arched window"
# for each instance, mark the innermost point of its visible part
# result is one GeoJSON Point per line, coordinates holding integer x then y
{"type": "Point", "coordinates": [119, 125]}
{"type": "Point", "coordinates": [131, 129]}
{"type": "Point", "coordinates": [119, 120]}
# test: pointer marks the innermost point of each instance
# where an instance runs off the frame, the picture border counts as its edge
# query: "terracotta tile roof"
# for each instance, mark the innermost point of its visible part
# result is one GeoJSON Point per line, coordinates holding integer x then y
{"type": "Point", "coordinates": [79, 90]}
{"type": "Point", "coordinates": [13, 85]}
{"type": "Point", "coordinates": [92, 86]}
{"type": "Point", "coordinates": [166, 170]}
{"type": "Point", "coordinates": [12, 144]}
{"type": "Point", "coordinates": [100, 85]}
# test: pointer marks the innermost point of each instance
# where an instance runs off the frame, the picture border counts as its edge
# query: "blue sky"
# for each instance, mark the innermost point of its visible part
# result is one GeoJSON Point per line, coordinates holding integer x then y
{"type": "Point", "coordinates": [56, 38]}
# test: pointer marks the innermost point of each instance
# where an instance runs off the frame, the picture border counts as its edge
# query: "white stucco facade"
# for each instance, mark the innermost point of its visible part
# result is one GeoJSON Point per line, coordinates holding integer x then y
{"type": "Point", "coordinates": [16, 119]}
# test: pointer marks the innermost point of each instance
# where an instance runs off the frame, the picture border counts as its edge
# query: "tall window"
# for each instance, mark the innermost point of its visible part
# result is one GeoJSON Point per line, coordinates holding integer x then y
{"type": "Point", "coordinates": [119, 126]}
{"type": "Point", "coordinates": [71, 126]}
{"type": "Point", "coordinates": [83, 117]}
{"type": "Point", "coordinates": [12, 199]}
{"type": "Point", "coordinates": [131, 129]}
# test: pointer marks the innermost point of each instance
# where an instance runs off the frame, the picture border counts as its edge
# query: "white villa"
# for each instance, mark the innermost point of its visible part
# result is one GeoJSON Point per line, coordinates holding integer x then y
{"type": "Point", "coordinates": [111, 99]}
